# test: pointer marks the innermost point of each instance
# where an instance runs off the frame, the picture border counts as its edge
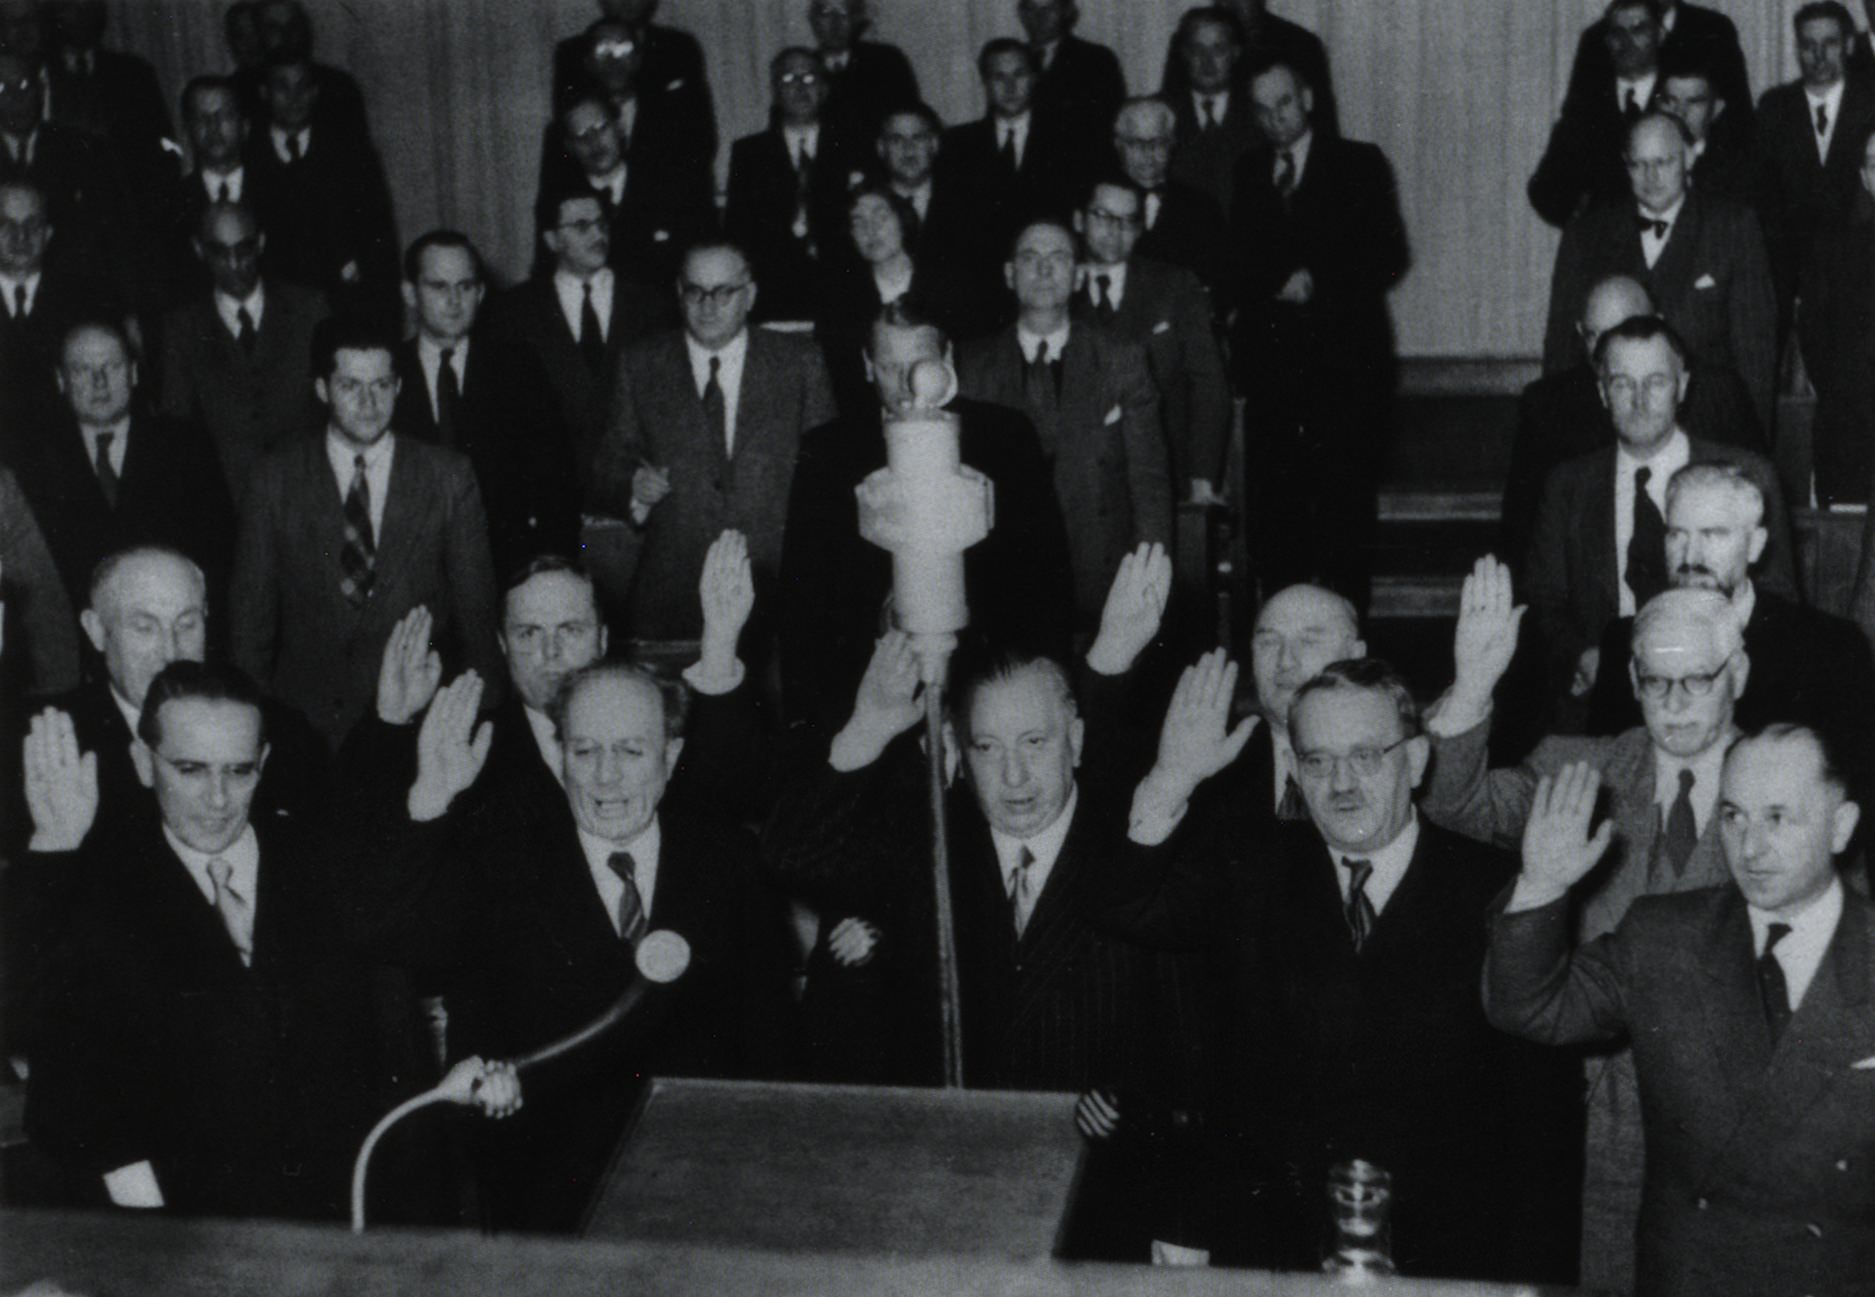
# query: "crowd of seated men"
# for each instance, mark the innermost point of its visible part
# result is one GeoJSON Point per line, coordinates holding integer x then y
{"type": "Point", "coordinates": [387, 651]}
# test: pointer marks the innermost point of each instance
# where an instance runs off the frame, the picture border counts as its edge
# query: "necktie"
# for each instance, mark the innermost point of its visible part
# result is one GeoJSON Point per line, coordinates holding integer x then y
{"type": "Point", "coordinates": [236, 911]}
{"type": "Point", "coordinates": [1285, 174]}
{"type": "Point", "coordinates": [1360, 910]}
{"type": "Point", "coordinates": [1682, 830]}
{"type": "Point", "coordinates": [1103, 296]}
{"type": "Point", "coordinates": [249, 334]}
{"type": "Point", "coordinates": [1037, 383]}
{"type": "Point", "coordinates": [1658, 227]}
{"type": "Point", "coordinates": [293, 151]}
{"type": "Point", "coordinates": [358, 556]}
{"type": "Point", "coordinates": [715, 412]}
{"type": "Point", "coordinates": [591, 338]}
{"type": "Point", "coordinates": [1008, 150]}
{"type": "Point", "coordinates": [1771, 985]}
{"type": "Point", "coordinates": [1647, 548]}
{"type": "Point", "coordinates": [632, 919]}
{"type": "Point", "coordinates": [803, 187]}
{"type": "Point", "coordinates": [1022, 890]}
{"type": "Point", "coordinates": [1631, 106]}
{"type": "Point", "coordinates": [1822, 120]}
{"type": "Point", "coordinates": [107, 475]}
{"type": "Point", "coordinates": [1209, 105]}
{"type": "Point", "coordinates": [221, 192]}
{"type": "Point", "coordinates": [1292, 807]}
{"type": "Point", "coordinates": [448, 397]}
{"type": "Point", "coordinates": [19, 301]}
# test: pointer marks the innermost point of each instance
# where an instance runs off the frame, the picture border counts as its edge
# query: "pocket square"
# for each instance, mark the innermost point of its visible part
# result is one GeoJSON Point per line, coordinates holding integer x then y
{"type": "Point", "coordinates": [678, 84]}
{"type": "Point", "coordinates": [1114, 416]}
{"type": "Point", "coordinates": [1163, 326]}
{"type": "Point", "coordinates": [1705, 281]}
{"type": "Point", "coordinates": [1863, 1064]}
{"type": "Point", "coordinates": [660, 236]}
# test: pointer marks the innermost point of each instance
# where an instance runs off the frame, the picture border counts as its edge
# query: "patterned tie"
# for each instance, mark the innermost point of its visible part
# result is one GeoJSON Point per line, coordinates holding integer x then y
{"type": "Point", "coordinates": [715, 410]}
{"type": "Point", "coordinates": [107, 475]}
{"type": "Point", "coordinates": [1285, 174]}
{"type": "Point", "coordinates": [1772, 988]}
{"type": "Point", "coordinates": [1360, 910]}
{"type": "Point", "coordinates": [448, 397]}
{"type": "Point", "coordinates": [1292, 807]}
{"type": "Point", "coordinates": [632, 919]}
{"type": "Point", "coordinates": [1682, 830]}
{"type": "Point", "coordinates": [1103, 296]}
{"type": "Point", "coordinates": [358, 557]}
{"type": "Point", "coordinates": [1647, 547]}
{"type": "Point", "coordinates": [249, 335]}
{"type": "Point", "coordinates": [236, 910]}
{"type": "Point", "coordinates": [591, 336]}
{"type": "Point", "coordinates": [1022, 890]}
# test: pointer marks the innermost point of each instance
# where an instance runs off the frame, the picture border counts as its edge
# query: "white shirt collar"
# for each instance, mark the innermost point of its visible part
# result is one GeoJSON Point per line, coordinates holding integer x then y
{"type": "Point", "coordinates": [1299, 152]}
{"type": "Point", "coordinates": [1801, 952]}
{"type": "Point", "coordinates": [1282, 761]}
{"type": "Point", "coordinates": [1830, 99]}
{"type": "Point", "coordinates": [120, 442]}
{"type": "Point", "coordinates": [1390, 865]}
{"type": "Point", "coordinates": [229, 309]}
{"type": "Point", "coordinates": [613, 182]}
{"type": "Point", "coordinates": [8, 283]}
{"type": "Point", "coordinates": [1668, 460]}
{"type": "Point", "coordinates": [242, 857]}
{"type": "Point", "coordinates": [1707, 768]}
{"type": "Point", "coordinates": [1220, 100]}
{"type": "Point", "coordinates": [894, 287]}
{"type": "Point", "coordinates": [130, 713]}
{"type": "Point", "coordinates": [280, 135]}
{"type": "Point", "coordinates": [644, 851]}
{"type": "Point", "coordinates": [796, 136]}
{"type": "Point", "coordinates": [732, 354]}
{"type": "Point", "coordinates": [571, 290]}
{"type": "Point", "coordinates": [235, 177]}
{"type": "Point", "coordinates": [1643, 88]}
{"type": "Point", "coordinates": [1046, 54]}
{"type": "Point", "coordinates": [1057, 341]}
{"type": "Point", "coordinates": [340, 454]}
{"type": "Point", "coordinates": [547, 740]}
{"type": "Point", "coordinates": [1116, 284]}
{"type": "Point", "coordinates": [1045, 847]}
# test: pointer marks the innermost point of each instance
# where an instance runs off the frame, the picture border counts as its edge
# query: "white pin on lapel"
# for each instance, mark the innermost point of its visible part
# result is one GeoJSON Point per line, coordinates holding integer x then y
{"type": "Point", "coordinates": [1163, 326]}
{"type": "Point", "coordinates": [1705, 281]}
{"type": "Point", "coordinates": [1113, 416]}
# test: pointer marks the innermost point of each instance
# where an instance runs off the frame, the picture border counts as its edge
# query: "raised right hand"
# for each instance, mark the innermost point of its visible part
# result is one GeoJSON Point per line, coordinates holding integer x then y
{"type": "Point", "coordinates": [1196, 740]}
{"type": "Point", "coordinates": [1486, 638]}
{"type": "Point", "coordinates": [410, 669]}
{"type": "Point", "coordinates": [450, 748]}
{"type": "Point", "coordinates": [61, 785]}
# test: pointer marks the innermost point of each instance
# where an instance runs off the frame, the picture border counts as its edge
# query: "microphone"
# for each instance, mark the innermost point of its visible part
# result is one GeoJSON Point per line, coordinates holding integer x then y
{"type": "Point", "coordinates": [662, 957]}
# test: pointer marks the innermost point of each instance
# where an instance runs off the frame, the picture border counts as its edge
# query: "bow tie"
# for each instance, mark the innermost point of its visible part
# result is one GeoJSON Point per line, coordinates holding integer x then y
{"type": "Point", "coordinates": [1659, 228]}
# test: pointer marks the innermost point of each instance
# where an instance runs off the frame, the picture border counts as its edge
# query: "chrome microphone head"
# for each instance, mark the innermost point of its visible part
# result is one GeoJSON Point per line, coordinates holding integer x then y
{"type": "Point", "coordinates": [662, 956]}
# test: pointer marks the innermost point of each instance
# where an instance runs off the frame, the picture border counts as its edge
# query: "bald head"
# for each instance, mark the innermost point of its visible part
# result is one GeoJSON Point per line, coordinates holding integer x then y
{"type": "Point", "coordinates": [1612, 301]}
{"type": "Point", "coordinates": [1299, 632]}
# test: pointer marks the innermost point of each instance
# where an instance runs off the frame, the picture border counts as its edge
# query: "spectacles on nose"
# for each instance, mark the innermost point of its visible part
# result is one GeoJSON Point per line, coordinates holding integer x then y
{"type": "Point", "coordinates": [1365, 762]}
{"type": "Point", "coordinates": [1656, 688]}
{"type": "Point", "coordinates": [719, 296]}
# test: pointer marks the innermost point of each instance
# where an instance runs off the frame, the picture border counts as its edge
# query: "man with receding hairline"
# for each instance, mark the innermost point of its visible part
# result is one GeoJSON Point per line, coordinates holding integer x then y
{"type": "Point", "coordinates": [1582, 161]}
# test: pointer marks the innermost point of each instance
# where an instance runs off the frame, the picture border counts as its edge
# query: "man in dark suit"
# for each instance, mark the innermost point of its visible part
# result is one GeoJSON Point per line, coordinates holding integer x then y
{"type": "Point", "coordinates": [237, 358]}
{"type": "Point", "coordinates": [835, 584]}
{"type": "Point", "coordinates": [37, 614]}
{"type": "Point", "coordinates": [341, 535]}
{"type": "Point", "coordinates": [1583, 158]}
{"type": "Point", "coordinates": [464, 387]}
{"type": "Point", "coordinates": [43, 293]}
{"type": "Point", "coordinates": [110, 95]}
{"type": "Point", "coordinates": [668, 64]}
{"type": "Point", "coordinates": [866, 79]}
{"type": "Point", "coordinates": [1723, 165]}
{"type": "Point", "coordinates": [534, 924]}
{"type": "Point", "coordinates": [1836, 331]}
{"type": "Point", "coordinates": [949, 239]}
{"type": "Point", "coordinates": [661, 127]}
{"type": "Point", "coordinates": [1809, 137]}
{"type": "Point", "coordinates": [1597, 551]}
{"type": "Point", "coordinates": [282, 27]}
{"type": "Point", "coordinates": [652, 204]}
{"type": "Point", "coordinates": [1702, 259]}
{"type": "Point", "coordinates": [102, 474]}
{"type": "Point", "coordinates": [1091, 399]}
{"type": "Point", "coordinates": [709, 416]}
{"type": "Point", "coordinates": [1182, 226]}
{"type": "Point", "coordinates": [1162, 309]}
{"type": "Point", "coordinates": [1017, 163]}
{"type": "Point", "coordinates": [1687, 32]}
{"type": "Point", "coordinates": [1267, 37]}
{"type": "Point", "coordinates": [206, 1045]}
{"type": "Point", "coordinates": [1351, 944]}
{"type": "Point", "coordinates": [1077, 81]}
{"type": "Point", "coordinates": [1747, 1008]}
{"type": "Point", "coordinates": [1323, 241]}
{"type": "Point", "coordinates": [320, 195]}
{"type": "Point", "coordinates": [1215, 121]}
{"type": "Point", "coordinates": [1806, 665]}
{"type": "Point", "coordinates": [217, 127]}
{"type": "Point", "coordinates": [785, 189]}
{"type": "Point", "coordinates": [1562, 415]}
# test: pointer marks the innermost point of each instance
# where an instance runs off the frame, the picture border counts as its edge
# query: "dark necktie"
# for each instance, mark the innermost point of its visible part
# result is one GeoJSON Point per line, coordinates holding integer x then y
{"type": "Point", "coordinates": [1647, 548]}
{"type": "Point", "coordinates": [632, 919]}
{"type": "Point", "coordinates": [1771, 985]}
{"type": "Point", "coordinates": [1292, 807]}
{"type": "Point", "coordinates": [1022, 890]}
{"type": "Point", "coordinates": [1682, 830]}
{"type": "Point", "coordinates": [1822, 120]}
{"type": "Point", "coordinates": [591, 339]}
{"type": "Point", "coordinates": [107, 476]}
{"type": "Point", "coordinates": [1360, 910]}
{"type": "Point", "coordinates": [715, 412]}
{"type": "Point", "coordinates": [1038, 377]}
{"type": "Point", "coordinates": [248, 334]}
{"type": "Point", "coordinates": [1286, 175]}
{"type": "Point", "coordinates": [221, 191]}
{"type": "Point", "coordinates": [293, 151]}
{"type": "Point", "coordinates": [1008, 151]}
{"type": "Point", "coordinates": [358, 556]}
{"type": "Point", "coordinates": [19, 301]}
{"type": "Point", "coordinates": [1209, 105]}
{"type": "Point", "coordinates": [448, 397]}
{"type": "Point", "coordinates": [1658, 227]}
{"type": "Point", "coordinates": [1103, 296]}
{"type": "Point", "coordinates": [1631, 106]}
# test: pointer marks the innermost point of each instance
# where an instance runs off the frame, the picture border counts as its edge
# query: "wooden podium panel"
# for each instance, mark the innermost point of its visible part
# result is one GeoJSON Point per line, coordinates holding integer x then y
{"type": "Point", "coordinates": [828, 1168]}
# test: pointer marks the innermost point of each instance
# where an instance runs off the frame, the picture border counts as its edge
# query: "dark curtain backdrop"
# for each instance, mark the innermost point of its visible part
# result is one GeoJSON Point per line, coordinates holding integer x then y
{"type": "Point", "coordinates": [1460, 93]}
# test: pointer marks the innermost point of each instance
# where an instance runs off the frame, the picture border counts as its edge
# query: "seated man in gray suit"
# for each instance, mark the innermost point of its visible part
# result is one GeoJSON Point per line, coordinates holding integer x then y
{"type": "Point", "coordinates": [237, 359]}
{"type": "Point", "coordinates": [704, 428]}
{"type": "Point", "coordinates": [1747, 1006]}
{"type": "Point", "coordinates": [1688, 670]}
{"type": "Point", "coordinates": [341, 535]}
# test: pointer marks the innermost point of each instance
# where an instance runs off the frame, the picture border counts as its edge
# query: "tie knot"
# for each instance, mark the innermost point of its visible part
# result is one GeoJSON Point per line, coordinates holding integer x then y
{"type": "Point", "coordinates": [1358, 872]}
{"type": "Point", "coordinates": [1687, 779]}
{"type": "Point", "coordinates": [449, 355]}
{"type": "Point", "coordinates": [104, 441]}
{"type": "Point", "coordinates": [716, 367]}
{"type": "Point", "coordinates": [1041, 352]}
{"type": "Point", "coordinates": [220, 872]}
{"type": "Point", "coordinates": [585, 290]}
{"type": "Point", "coordinates": [1775, 933]}
{"type": "Point", "coordinates": [358, 463]}
{"type": "Point", "coordinates": [622, 864]}
{"type": "Point", "coordinates": [1642, 476]}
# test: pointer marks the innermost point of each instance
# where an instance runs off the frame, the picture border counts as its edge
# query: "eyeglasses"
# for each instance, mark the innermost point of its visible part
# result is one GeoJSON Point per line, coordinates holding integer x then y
{"type": "Point", "coordinates": [1112, 218]}
{"type": "Point", "coordinates": [1656, 688]}
{"type": "Point", "coordinates": [799, 78]}
{"type": "Point", "coordinates": [720, 295]}
{"type": "Point", "coordinates": [1363, 761]}
{"type": "Point", "coordinates": [613, 50]}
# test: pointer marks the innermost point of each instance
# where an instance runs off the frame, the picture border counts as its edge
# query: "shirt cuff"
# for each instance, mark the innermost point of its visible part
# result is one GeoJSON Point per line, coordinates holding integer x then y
{"type": "Point", "coordinates": [1157, 812]}
{"type": "Point", "coordinates": [714, 686]}
{"type": "Point", "coordinates": [1445, 721]}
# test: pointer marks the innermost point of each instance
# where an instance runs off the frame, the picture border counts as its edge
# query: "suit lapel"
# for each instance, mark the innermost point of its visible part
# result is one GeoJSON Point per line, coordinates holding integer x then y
{"type": "Point", "coordinates": [1598, 525]}
{"type": "Point", "coordinates": [1738, 1039]}
{"type": "Point", "coordinates": [1672, 275]}
{"type": "Point", "coordinates": [406, 494]}
{"type": "Point", "coordinates": [757, 376]}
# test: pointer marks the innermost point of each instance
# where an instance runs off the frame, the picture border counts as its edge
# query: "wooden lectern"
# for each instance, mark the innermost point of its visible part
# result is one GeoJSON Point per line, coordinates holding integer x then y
{"type": "Point", "coordinates": [830, 1168]}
